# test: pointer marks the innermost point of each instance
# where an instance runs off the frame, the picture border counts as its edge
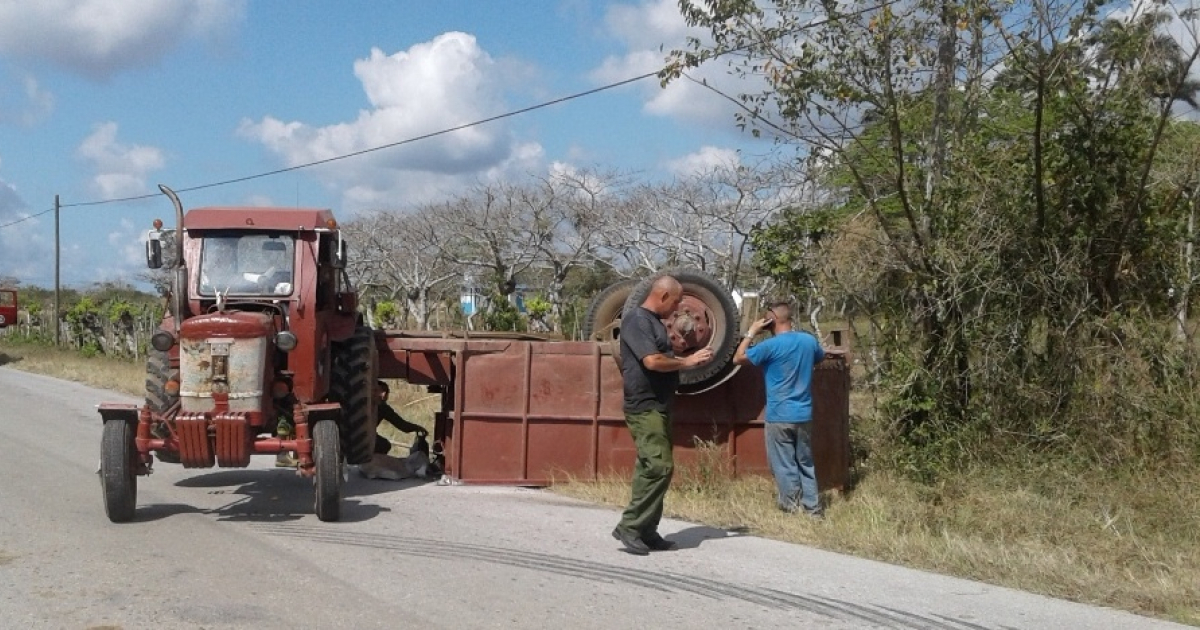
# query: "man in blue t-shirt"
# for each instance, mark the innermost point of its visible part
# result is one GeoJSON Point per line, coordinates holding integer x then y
{"type": "Point", "coordinates": [786, 360]}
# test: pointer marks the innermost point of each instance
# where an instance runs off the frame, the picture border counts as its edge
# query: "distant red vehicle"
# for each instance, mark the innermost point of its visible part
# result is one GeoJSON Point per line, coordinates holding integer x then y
{"type": "Point", "coordinates": [8, 307]}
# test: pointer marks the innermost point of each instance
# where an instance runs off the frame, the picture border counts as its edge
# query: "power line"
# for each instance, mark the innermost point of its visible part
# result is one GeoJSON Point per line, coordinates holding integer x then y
{"type": "Point", "coordinates": [426, 136]}
{"type": "Point", "coordinates": [390, 145]}
{"type": "Point", "coordinates": [22, 219]}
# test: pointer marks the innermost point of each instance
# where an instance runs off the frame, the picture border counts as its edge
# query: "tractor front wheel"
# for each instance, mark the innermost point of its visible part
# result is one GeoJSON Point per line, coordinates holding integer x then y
{"type": "Point", "coordinates": [118, 470]}
{"type": "Point", "coordinates": [327, 453]}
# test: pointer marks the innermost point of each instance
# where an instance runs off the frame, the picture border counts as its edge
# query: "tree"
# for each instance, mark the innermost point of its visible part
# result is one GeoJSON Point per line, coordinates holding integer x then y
{"type": "Point", "coordinates": [400, 257]}
{"type": "Point", "coordinates": [1008, 210]}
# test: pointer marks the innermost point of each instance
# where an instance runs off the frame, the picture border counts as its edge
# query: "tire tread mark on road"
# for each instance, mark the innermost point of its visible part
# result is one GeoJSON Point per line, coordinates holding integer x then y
{"type": "Point", "coordinates": [436, 549]}
{"type": "Point", "coordinates": [968, 625]}
{"type": "Point", "coordinates": [711, 589]}
{"type": "Point", "coordinates": [857, 612]}
{"type": "Point", "coordinates": [940, 623]}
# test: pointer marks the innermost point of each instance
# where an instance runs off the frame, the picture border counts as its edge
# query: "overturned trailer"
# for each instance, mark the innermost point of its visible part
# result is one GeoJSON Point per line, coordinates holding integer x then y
{"type": "Point", "coordinates": [528, 411]}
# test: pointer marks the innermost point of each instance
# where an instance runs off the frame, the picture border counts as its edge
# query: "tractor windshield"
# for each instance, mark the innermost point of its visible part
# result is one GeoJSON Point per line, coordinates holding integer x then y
{"type": "Point", "coordinates": [246, 264]}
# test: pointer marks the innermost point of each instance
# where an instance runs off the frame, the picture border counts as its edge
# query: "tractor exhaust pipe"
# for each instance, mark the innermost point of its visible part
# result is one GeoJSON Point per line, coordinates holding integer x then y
{"type": "Point", "coordinates": [179, 290]}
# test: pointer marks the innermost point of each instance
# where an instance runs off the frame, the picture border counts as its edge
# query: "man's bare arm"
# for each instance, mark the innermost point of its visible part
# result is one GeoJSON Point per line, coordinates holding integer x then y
{"type": "Point", "coordinates": [664, 363]}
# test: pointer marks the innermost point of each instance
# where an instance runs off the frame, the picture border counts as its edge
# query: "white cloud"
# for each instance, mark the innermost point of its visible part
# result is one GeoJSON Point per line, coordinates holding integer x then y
{"type": "Point", "coordinates": [97, 38]}
{"type": "Point", "coordinates": [649, 26]}
{"type": "Point", "coordinates": [433, 86]}
{"type": "Point", "coordinates": [27, 106]}
{"type": "Point", "coordinates": [706, 160]}
{"type": "Point", "coordinates": [120, 170]}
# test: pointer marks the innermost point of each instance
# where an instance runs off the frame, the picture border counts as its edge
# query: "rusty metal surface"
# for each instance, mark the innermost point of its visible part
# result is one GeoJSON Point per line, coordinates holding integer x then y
{"type": "Point", "coordinates": [258, 218]}
{"type": "Point", "coordinates": [528, 412]}
{"type": "Point", "coordinates": [224, 353]}
{"type": "Point", "coordinates": [233, 439]}
{"type": "Point", "coordinates": [195, 449]}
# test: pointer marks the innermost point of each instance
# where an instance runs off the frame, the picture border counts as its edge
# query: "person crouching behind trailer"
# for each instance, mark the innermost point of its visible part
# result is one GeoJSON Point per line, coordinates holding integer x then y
{"type": "Point", "coordinates": [383, 465]}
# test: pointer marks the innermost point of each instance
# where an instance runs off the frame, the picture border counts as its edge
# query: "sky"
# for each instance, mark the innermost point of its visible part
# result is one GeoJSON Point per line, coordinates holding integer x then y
{"type": "Point", "coordinates": [105, 99]}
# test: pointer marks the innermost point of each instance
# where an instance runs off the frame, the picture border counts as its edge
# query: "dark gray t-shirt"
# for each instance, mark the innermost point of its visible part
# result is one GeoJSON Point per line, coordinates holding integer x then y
{"type": "Point", "coordinates": [643, 334]}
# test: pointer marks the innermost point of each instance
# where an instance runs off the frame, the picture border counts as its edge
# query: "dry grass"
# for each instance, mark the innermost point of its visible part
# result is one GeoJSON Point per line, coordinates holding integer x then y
{"type": "Point", "coordinates": [122, 376]}
{"type": "Point", "coordinates": [1125, 541]}
{"type": "Point", "coordinates": [417, 406]}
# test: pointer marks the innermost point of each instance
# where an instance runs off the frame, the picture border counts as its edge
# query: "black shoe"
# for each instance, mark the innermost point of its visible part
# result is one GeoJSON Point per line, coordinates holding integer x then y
{"type": "Point", "coordinates": [633, 544]}
{"type": "Point", "coordinates": [658, 543]}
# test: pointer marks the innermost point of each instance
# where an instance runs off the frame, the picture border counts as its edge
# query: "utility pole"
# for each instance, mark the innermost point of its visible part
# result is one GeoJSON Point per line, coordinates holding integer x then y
{"type": "Point", "coordinates": [57, 326]}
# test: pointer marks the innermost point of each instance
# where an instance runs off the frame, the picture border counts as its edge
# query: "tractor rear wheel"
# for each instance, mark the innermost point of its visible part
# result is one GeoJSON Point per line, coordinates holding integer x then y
{"type": "Point", "coordinates": [355, 365]}
{"type": "Point", "coordinates": [118, 470]}
{"type": "Point", "coordinates": [158, 399]}
{"type": "Point", "coordinates": [327, 455]}
{"type": "Point", "coordinates": [158, 372]}
{"type": "Point", "coordinates": [707, 316]}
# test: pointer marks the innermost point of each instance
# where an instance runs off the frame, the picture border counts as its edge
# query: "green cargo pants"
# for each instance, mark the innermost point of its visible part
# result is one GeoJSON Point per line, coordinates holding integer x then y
{"type": "Point", "coordinates": [652, 472]}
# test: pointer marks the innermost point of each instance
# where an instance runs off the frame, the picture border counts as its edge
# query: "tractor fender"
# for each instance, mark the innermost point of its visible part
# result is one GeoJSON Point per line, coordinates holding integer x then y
{"type": "Point", "coordinates": [118, 411]}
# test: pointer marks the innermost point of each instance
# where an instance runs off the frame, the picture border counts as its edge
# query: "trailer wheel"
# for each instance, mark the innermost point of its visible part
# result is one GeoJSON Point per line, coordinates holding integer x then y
{"type": "Point", "coordinates": [706, 317]}
{"type": "Point", "coordinates": [118, 470]}
{"type": "Point", "coordinates": [327, 454]}
{"type": "Point", "coordinates": [604, 312]}
{"type": "Point", "coordinates": [352, 384]}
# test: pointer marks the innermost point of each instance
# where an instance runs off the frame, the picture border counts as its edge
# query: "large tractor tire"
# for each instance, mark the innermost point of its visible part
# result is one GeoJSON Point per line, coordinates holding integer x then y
{"type": "Point", "coordinates": [355, 366]}
{"type": "Point", "coordinates": [603, 320]}
{"type": "Point", "coordinates": [707, 316]}
{"type": "Point", "coordinates": [158, 372]}
{"type": "Point", "coordinates": [327, 482]}
{"type": "Point", "coordinates": [118, 470]}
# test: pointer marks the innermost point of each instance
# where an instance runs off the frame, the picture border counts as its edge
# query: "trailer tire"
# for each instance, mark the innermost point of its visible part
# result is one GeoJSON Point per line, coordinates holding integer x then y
{"type": "Point", "coordinates": [118, 470]}
{"type": "Point", "coordinates": [605, 310]}
{"type": "Point", "coordinates": [723, 322]}
{"type": "Point", "coordinates": [352, 384]}
{"type": "Point", "coordinates": [327, 482]}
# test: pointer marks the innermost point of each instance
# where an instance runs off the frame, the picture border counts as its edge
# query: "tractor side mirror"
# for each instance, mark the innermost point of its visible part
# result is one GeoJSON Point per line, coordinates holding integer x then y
{"type": "Point", "coordinates": [154, 252]}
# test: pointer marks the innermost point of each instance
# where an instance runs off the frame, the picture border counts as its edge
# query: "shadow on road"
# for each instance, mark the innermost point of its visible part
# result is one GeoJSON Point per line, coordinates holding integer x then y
{"type": "Point", "coordinates": [273, 496]}
{"type": "Point", "coordinates": [692, 537]}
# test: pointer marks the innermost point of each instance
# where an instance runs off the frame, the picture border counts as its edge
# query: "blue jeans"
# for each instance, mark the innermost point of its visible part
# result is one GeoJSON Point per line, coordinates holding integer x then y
{"type": "Point", "coordinates": [789, 450]}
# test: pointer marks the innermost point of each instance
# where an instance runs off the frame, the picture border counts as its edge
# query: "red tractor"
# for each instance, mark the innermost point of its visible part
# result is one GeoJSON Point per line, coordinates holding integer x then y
{"type": "Point", "coordinates": [262, 352]}
{"type": "Point", "coordinates": [8, 307]}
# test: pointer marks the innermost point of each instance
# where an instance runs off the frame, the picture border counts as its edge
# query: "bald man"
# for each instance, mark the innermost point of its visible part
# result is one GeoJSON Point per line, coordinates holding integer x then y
{"type": "Point", "coordinates": [650, 371]}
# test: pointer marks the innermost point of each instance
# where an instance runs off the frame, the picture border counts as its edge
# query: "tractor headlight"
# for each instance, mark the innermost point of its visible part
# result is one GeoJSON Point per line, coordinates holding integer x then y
{"type": "Point", "coordinates": [162, 341]}
{"type": "Point", "coordinates": [286, 341]}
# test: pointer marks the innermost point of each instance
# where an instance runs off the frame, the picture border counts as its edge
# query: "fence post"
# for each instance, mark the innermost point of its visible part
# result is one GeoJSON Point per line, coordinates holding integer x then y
{"type": "Point", "coordinates": [57, 328]}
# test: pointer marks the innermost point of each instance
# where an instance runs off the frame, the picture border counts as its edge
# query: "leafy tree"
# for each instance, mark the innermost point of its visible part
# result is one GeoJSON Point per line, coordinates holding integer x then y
{"type": "Point", "coordinates": [1010, 223]}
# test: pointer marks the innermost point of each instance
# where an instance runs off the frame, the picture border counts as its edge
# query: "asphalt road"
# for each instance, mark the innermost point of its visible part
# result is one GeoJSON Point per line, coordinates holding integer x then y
{"type": "Point", "coordinates": [239, 548]}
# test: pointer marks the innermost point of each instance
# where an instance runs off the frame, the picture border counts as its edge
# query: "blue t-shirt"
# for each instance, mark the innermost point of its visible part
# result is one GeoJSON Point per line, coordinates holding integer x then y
{"type": "Point", "coordinates": [787, 361]}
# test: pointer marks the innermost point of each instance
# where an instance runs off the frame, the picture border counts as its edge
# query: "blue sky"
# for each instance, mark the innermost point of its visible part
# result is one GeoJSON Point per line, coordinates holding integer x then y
{"type": "Point", "coordinates": [105, 99]}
